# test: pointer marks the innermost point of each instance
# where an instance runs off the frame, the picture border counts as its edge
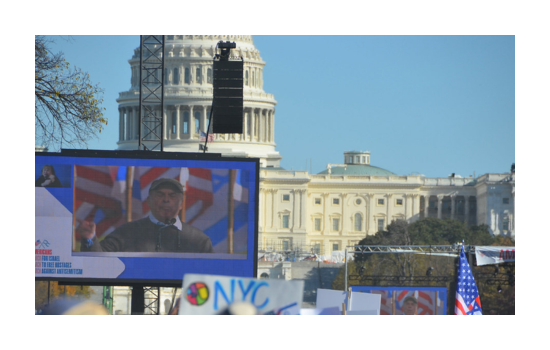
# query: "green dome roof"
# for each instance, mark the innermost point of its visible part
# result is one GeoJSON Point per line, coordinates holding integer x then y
{"type": "Point", "coordinates": [357, 169]}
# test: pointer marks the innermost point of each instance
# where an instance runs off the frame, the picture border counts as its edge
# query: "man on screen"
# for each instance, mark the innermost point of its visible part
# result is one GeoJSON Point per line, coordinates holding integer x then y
{"type": "Point", "coordinates": [410, 305]}
{"type": "Point", "coordinates": [161, 231]}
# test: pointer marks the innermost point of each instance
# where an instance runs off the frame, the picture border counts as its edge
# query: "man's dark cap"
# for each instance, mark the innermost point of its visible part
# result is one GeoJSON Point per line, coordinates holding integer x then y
{"type": "Point", "coordinates": [410, 298]}
{"type": "Point", "coordinates": [166, 183]}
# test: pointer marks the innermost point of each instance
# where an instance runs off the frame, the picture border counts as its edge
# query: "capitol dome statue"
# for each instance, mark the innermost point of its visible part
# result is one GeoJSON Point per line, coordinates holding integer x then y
{"type": "Point", "coordinates": [188, 100]}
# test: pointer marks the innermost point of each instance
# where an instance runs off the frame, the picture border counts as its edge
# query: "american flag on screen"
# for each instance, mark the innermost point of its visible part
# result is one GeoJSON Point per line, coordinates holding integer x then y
{"type": "Point", "coordinates": [207, 206]}
{"type": "Point", "coordinates": [93, 197]}
{"type": "Point", "coordinates": [427, 303]}
{"type": "Point", "coordinates": [385, 301]}
{"type": "Point", "coordinates": [467, 301]}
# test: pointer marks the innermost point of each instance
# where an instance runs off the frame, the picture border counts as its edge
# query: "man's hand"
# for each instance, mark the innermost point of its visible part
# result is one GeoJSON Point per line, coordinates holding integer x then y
{"type": "Point", "coordinates": [86, 229]}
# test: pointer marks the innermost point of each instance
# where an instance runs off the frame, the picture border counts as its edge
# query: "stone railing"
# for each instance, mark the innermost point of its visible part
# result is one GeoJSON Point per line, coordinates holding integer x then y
{"type": "Point", "coordinates": [442, 181]}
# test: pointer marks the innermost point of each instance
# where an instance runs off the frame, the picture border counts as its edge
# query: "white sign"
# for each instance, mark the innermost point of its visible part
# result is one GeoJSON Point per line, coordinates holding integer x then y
{"type": "Point", "coordinates": [358, 302]}
{"type": "Point", "coordinates": [211, 295]}
{"type": "Point", "coordinates": [490, 255]}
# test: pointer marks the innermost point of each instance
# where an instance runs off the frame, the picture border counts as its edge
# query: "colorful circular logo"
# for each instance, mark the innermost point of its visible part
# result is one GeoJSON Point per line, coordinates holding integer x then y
{"type": "Point", "coordinates": [197, 293]}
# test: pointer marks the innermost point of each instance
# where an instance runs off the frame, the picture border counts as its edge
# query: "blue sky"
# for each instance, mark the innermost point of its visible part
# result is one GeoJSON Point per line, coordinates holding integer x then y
{"type": "Point", "coordinates": [433, 105]}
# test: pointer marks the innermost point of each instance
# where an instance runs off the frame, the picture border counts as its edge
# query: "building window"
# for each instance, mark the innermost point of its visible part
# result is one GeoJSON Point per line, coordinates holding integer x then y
{"type": "Point", "coordinates": [198, 77]}
{"type": "Point", "coordinates": [176, 77]}
{"type": "Point", "coordinates": [505, 200]}
{"type": "Point", "coordinates": [166, 72]}
{"type": "Point", "coordinates": [187, 76]}
{"type": "Point", "coordinates": [380, 224]}
{"type": "Point", "coordinates": [351, 159]}
{"type": "Point", "coordinates": [286, 244]}
{"type": "Point", "coordinates": [316, 248]}
{"type": "Point", "coordinates": [505, 224]}
{"type": "Point", "coordinates": [285, 220]}
{"type": "Point", "coordinates": [286, 197]}
{"type": "Point", "coordinates": [358, 222]}
{"type": "Point", "coordinates": [364, 160]}
{"type": "Point", "coordinates": [399, 201]}
{"type": "Point", "coordinates": [246, 78]}
{"type": "Point", "coordinates": [209, 75]}
{"type": "Point", "coordinates": [264, 276]}
{"type": "Point", "coordinates": [380, 201]}
{"type": "Point", "coordinates": [317, 201]}
{"type": "Point", "coordinates": [185, 122]}
{"type": "Point", "coordinates": [335, 201]}
{"type": "Point", "coordinates": [358, 201]}
{"type": "Point", "coordinates": [335, 246]}
{"type": "Point", "coordinates": [317, 224]}
{"type": "Point", "coordinates": [174, 122]}
{"type": "Point", "coordinates": [335, 224]}
{"type": "Point", "coordinates": [197, 122]}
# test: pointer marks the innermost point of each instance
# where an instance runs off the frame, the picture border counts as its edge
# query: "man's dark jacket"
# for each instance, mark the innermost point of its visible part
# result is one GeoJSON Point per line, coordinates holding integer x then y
{"type": "Point", "coordinates": [145, 236]}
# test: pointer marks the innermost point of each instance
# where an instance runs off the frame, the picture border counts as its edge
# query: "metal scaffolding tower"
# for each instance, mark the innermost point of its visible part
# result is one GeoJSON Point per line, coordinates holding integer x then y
{"type": "Point", "coordinates": [152, 300]}
{"type": "Point", "coordinates": [151, 92]}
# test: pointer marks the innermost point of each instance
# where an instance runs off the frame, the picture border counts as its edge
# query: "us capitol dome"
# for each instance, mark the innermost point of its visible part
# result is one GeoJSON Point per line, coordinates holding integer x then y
{"type": "Point", "coordinates": [188, 100]}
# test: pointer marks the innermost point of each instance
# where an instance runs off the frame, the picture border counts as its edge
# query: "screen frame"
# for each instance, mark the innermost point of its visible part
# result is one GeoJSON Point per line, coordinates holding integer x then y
{"type": "Point", "coordinates": [152, 155]}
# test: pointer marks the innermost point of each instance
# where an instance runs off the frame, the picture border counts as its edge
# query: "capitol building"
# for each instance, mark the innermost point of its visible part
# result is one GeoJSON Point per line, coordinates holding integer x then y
{"type": "Point", "coordinates": [316, 213]}
{"type": "Point", "coordinates": [321, 213]}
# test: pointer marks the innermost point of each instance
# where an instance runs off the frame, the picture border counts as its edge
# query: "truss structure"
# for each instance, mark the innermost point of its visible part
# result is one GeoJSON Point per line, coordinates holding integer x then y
{"type": "Point", "coordinates": [446, 250]}
{"type": "Point", "coordinates": [451, 250]}
{"type": "Point", "coordinates": [151, 300]}
{"type": "Point", "coordinates": [151, 92]}
{"type": "Point", "coordinates": [422, 280]}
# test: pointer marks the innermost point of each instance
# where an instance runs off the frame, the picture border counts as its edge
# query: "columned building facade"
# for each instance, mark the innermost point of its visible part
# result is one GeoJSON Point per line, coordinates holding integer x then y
{"type": "Point", "coordinates": [188, 100]}
{"type": "Point", "coordinates": [322, 212]}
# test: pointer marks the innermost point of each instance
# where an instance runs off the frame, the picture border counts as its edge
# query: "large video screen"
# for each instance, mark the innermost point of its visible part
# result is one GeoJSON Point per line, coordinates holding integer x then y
{"type": "Point", "coordinates": [143, 217]}
{"type": "Point", "coordinates": [409, 300]}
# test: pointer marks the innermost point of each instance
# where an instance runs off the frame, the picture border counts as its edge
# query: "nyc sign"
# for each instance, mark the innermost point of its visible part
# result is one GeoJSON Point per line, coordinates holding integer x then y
{"type": "Point", "coordinates": [211, 295]}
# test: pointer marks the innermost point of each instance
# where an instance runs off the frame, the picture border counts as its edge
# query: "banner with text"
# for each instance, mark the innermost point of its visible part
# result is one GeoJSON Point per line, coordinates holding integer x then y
{"type": "Point", "coordinates": [495, 255]}
{"type": "Point", "coordinates": [211, 294]}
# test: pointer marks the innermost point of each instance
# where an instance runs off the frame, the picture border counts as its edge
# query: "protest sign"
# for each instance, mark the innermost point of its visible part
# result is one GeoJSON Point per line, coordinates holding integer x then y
{"type": "Point", "coordinates": [356, 302]}
{"type": "Point", "coordinates": [211, 294]}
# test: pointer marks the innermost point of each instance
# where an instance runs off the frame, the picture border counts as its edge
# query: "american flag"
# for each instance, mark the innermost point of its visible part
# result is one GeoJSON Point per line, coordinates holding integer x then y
{"type": "Point", "coordinates": [385, 301]}
{"type": "Point", "coordinates": [427, 303]}
{"type": "Point", "coordinates": [93, 197]}
{"type": "Point", "coordinates": [207, 206]}
{"type": "Point", "coordinates": [467, 301]}
{"type": "Point", "coordinates": [203, 137]}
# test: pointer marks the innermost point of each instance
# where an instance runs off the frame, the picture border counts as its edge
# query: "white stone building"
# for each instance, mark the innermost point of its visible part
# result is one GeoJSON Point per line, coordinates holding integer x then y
{"type": "Point", "coordinates": [318, 213]}
{"type": "Point", "coordinates": [188, 100]}
{"type": "Point", "coordinates": [325, 211]}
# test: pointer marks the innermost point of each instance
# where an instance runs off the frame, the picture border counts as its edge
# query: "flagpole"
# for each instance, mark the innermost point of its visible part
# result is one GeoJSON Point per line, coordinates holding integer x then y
{"type": "Point", "coordinates": [393, 302]}
{"type": "Point", "coordinates": [129, 190]}
{"type": "Point", "coordinates": [74, 208]}
{"type": "Point", "coordinates": [230, 212]}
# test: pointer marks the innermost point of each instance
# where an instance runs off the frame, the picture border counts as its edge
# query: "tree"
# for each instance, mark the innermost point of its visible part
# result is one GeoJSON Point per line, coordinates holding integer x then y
{"type": "Point", "coordinates": [41, 293]}
{"type": "Point", "coordinates": [67, 105]}
{"type": "Point", "coordinates": [431, 231]}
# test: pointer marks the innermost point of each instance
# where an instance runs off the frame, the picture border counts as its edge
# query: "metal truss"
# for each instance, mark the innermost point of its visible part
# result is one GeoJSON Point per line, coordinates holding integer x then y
{"type": "Point", "coordinates": [151, 300]}
{"type": "Point", "coordinates": [151, 92]}
{"type": "Point", "coordinates": [402, 279]}
{"type": "Point", "coordinates": [446, 250]}
{"type": "Point", "coordinates": [417, 249]}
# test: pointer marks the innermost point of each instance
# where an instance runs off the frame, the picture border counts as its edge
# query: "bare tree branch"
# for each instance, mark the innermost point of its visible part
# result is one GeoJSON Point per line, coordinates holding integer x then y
{"type": "Point", "coordinates": [67, 105]}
